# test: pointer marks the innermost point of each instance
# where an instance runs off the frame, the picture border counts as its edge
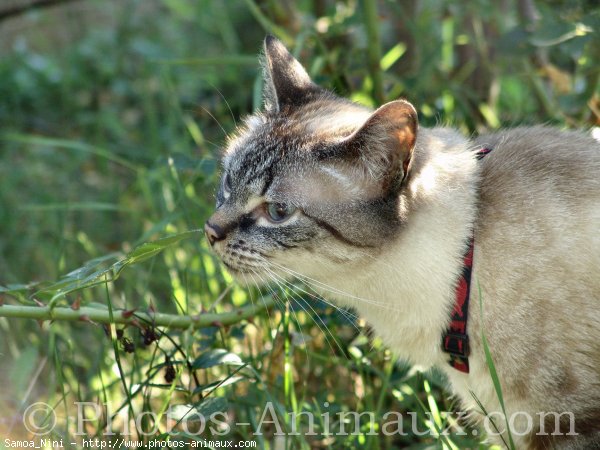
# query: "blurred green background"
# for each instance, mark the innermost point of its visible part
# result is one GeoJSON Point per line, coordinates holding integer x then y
{"type": "Point", "coordinates": [112, 117]}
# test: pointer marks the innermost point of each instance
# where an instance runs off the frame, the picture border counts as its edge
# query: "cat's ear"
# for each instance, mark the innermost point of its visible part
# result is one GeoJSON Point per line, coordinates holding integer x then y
{"type": "Point", "coordinates": [384, 144]}
{"type": "Point", "coordinates": [286, 82]}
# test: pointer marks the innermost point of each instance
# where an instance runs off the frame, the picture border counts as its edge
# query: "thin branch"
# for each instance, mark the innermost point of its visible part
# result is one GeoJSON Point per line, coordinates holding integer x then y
{"type": "Point", "coordinates": [36, 4]}
{"type": "Point", "coordinates": [98, 315]}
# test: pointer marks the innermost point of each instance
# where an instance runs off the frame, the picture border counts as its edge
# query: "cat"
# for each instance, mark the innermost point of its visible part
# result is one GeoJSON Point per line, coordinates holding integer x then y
{"type": "Point", "coordinates": [377, 214]}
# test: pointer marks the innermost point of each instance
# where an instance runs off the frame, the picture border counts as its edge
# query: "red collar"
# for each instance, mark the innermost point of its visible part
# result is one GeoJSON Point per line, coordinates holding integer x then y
{"type": "Point", "coordinates": [455, 340]}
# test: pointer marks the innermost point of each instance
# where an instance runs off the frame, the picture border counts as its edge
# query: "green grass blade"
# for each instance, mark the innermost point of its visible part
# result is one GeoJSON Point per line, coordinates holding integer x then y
{"type": "Point", "coordinates": [495, 379]}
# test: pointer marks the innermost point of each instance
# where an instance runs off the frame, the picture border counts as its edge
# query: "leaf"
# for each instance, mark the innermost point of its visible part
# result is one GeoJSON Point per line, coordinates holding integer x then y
{"type": "Point", "coordinates": [558, 32]}
{"type": "Point", "coordinates": [15, 288]}
{"type": "Point", "coordinates": [97, 272]}
{"type": "Point", "coordinates": [198, 411]}
{"type": "Point", "coordinates": [238, 332]}
{"type": "Point", "coordinates": [217, 357]}
{"type": "Point", "coordinates": [393, 55]}
{"type": "Point", "coordinates": [150, 249]}
{"type": "Point", "coordinates": [208, 388]}
{"type": "Point", "coordinates": [212, 405]}
{"type": "Point", "coordinates": [180, 412]}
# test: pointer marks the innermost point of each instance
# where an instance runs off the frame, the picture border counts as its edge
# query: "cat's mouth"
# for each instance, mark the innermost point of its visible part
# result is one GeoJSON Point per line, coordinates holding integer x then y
{"type": "Point", "coordinates": [252, 269]}
{"type": "Point", "coordinates": [248, 274]}
{"type": "Point", "coordinates": [250, 265]}
{"type": "Point", "coordinates": [239, 264]}
{"type": "Point", "coordinates": [240, 268]}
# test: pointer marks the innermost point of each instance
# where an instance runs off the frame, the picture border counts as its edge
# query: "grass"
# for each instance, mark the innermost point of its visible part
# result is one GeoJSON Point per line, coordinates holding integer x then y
{"type": "Point", "coordinates": [112, 116]}
{"type": "Point", "coordinates": [495, 380]}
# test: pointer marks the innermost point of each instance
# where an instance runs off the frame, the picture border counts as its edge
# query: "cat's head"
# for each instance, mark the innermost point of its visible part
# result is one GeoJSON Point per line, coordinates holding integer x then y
{"type": "Point", "coordinates": [311, 184]}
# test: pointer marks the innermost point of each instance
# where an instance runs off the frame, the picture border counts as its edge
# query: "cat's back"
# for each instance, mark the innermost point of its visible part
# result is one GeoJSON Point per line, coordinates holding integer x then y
{"type": "Point", "coordinates": [537, 258]}
{"type": "Point", "coordinates": [542, 160]}
{"type": "Point", "coordinates": [541, 184]}
{"type": "Point", "coordinates": [539, 197]}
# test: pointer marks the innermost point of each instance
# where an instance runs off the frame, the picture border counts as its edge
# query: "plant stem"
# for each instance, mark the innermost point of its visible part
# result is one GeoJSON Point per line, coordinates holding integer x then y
{"type": "Point", "coordinates": [374, 48]}
{"type": "Point", "coordinates": [87, 314]}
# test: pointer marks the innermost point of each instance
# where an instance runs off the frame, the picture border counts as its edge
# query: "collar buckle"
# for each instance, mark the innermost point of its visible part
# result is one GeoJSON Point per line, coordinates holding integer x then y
{"type": "Point", "coordinates": [456, 344]}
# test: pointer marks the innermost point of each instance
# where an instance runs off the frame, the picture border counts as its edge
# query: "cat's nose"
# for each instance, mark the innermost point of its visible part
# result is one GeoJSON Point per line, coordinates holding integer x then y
{"type": "Point", "coordinates": [213, 232]}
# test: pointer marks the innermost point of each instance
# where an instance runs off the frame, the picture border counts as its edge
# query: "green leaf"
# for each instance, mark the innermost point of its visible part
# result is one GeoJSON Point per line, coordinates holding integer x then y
{"type": "Point", "coordinates": [217, 357]}
{"type": "Point", "coordinates": [208, 388]}
{"type": "Point", "coordinates": [150, 249]}
{"type": "Point", "coordinates": [96, 271]}
{"type": "Point", "coordinates": [15, 288]}
{"type": "Point", "coordinates": [195, 412]}
{"type": "Point", "coordinates": [211, 405]}
{"type": "Point", "coordinates": [558, 32]}
{"type": "Point", "coordinates": [393, 55]}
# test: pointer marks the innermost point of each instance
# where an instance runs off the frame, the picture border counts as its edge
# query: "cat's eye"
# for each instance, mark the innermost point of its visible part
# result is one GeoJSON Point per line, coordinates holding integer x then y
{"type": "Point", "coordinates": [279, 212]}
{"type": "Point", "coordinates": [226, 184]}
{"type": "Point", "coordinates": [224, 191]}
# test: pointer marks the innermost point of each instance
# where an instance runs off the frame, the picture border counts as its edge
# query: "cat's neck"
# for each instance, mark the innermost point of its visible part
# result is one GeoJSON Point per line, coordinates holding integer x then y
{"type": "Point", "coordinates": [408, 289]}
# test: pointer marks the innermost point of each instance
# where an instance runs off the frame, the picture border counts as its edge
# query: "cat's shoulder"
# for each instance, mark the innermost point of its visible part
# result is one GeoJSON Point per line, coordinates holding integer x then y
{"type": "Point", "coordinates": [541, 142]}
{"type": "Point", "coordinates": [539, 164]}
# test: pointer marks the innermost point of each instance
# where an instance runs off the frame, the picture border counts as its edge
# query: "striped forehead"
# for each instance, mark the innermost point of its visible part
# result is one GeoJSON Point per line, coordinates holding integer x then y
{"type": "Point", "coordinates": [250, 173]}
{"type": "Point", "coordinates": [275, 145]}
{"type": "Point", "coordinates": [260, 157]}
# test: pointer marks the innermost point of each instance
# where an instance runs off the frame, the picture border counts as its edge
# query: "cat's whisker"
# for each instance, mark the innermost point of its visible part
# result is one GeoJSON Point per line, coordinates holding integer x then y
{"type": "Point", "coordinates": [278, 280]}
{"type": "Point", "coordinates": [300, 301]}
{"type": "Point", "coordinates": [213, 117]}
{"type": "Point", "coordinates": [214, 144]}
{"type": "Point", "coordinates": [306, 278]}
{"type": "Point", "coordinates": [328, 288]}
{"type": "Point", "coordinates": [271, 322]}
{"type": "Point", "coordinates": [282, 288]}
{"type": "Point", "coordinates": [295, 317]}
{"type": "Point", "coordinates": [226, 103]}
{"type": "Point", "coordinates": [280, 301]}
{"type": "Point", "coordinates": [352, 318]}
